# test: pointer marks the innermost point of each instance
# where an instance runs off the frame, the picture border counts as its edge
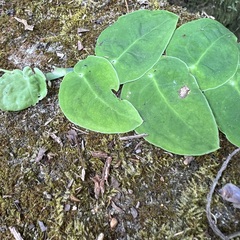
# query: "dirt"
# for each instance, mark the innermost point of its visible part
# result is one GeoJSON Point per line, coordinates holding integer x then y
{"type": "Point", "coordinates": [226, 12]}
{"type": "Point", "coordinates": [49, 166]}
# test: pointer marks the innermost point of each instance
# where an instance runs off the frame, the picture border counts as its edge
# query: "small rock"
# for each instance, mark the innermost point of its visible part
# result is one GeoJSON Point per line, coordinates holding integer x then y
{"type": "Point", "coordinates": [113, 223]}
{"type": "Point", "coordinates": [134, 212]}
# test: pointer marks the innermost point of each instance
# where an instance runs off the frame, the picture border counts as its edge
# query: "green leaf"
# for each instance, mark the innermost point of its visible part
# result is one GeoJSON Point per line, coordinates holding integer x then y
{"type": "Point", "coordinates": [136, 41]}
{"type": "Point", "coordinates": [21, 89]}
{"type": "Point", "coordinates": [57, 73]}
{"type": "Point", "coordinates": [86, 99]}
{"type": "Point", "coordinates": [176, 115]}
{"type": "Point", "coordinates": [225, 104]}
{"type": "Point", "coordinates": [208, 48]}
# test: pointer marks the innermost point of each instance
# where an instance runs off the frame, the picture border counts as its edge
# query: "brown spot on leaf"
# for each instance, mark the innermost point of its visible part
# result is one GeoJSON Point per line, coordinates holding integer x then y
{"type": "Point", "coordinates": [183, 92]}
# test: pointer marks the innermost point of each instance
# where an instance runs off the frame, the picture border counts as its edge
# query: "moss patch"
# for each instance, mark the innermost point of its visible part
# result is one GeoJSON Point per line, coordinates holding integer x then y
{"type": "Point", "coordinates": [151, 193]}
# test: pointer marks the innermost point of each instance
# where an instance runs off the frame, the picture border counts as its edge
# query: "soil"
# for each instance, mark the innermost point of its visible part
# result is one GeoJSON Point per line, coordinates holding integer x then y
{"type": "Point", "coordinates": [50, 168]}
{"type": "Point", "coordinates": [226, 12]}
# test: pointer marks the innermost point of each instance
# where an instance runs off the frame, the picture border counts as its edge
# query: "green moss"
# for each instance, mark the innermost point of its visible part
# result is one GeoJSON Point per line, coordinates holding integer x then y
{"type": "Point", "coordinates": [168, 196]}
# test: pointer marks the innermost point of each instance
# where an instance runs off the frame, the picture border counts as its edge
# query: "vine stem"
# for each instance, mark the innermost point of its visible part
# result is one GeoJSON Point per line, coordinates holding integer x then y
{"type": "Point", "coordinates": [209, 199]}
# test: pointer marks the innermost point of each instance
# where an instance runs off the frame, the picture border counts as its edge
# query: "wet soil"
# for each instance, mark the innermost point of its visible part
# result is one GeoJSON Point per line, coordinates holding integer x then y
{"type": "Point", "coordinates": [49, 167]}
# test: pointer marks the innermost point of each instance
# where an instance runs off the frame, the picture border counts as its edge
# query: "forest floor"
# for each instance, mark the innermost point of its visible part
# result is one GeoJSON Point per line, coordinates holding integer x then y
{"type": "Point", "coordinates": [50, 168]}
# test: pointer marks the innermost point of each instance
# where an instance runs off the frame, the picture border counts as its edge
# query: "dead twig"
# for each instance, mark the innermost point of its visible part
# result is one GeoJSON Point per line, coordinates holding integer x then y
{"type": "Point", "coordinates": [72, 137]}
{"type": "Point", "coordinates": [26, 25]}
{"type": "Point", "coordinates": [209, 199]}
{"type": "Point", "coordinates": [116, 208]}
{"type": "Point", "coordinates": [133, 137]}
{"type": "Point", "coordinates": [79, 130]}
{"type": "Point", "coordinates": [41, 154]}
{"type": "Point", "coordinates": [99, 182]}
{"type": "Point", "coordinates": [126, 3]}
{"type": "Point", "coordinates": [99, 187]}
{"type": "Point", "coordinates": [99, 154]}
{"type": "Point", "coordinates": [106, 169]}
{"type": "Point", "coordinates": [15, 233]}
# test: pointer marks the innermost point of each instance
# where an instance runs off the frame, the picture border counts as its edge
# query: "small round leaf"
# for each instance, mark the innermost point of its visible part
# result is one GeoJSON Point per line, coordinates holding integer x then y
{"type": "Point", "coordinates": [21, 89]}
{"type": "Point", "coordinates": [86, 98]}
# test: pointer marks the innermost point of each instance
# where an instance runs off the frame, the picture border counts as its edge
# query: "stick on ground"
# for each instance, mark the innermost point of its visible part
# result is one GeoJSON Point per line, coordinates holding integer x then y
{"type": "Point", "coordinates": [209, 199]}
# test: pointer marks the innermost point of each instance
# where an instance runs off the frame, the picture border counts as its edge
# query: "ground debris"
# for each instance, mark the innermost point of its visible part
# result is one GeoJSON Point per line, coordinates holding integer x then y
{"type": "Point", "coordinates": [42, 226]}
{"type": "Point", "coordinates": [79, 45]}
{"type": "Point", "coordinates": [134, 212]}
{"type": "Point", "coordinates": [231, 193]}
{"type": "Point", "coordinates": [56, 138]}
{"type": "Point", "coordinates": [41, 154]}
{"type": "Point", "coordinates": [82, 30]}
{"type": "Point", "coordinates": [99, 182]}
{"type": "Point", "coordinates": [188, 160]}
{"type": "Point", "coordinates": [26, 25]}
{"type": "Point", "coordinates": [100, 236]}
{"type": "Point", "coordinates": [113, 223]}
{"type": "Point", "coordinates": [125, 138]}
{"type": "Point", "coordinates": [15, 233]}
{"type": "Point", "coordinates": [73, 198]}
{"type": "Point", "coordinates": [116, 208]}
{"type": "Point", "coordinates": [99, 154]}
{"type": "Point", "coordinates": [106, 169]}
{"type": "Point", "coordinates": [98, 186]}
{"type": "Point", "coordinates": [72, 137]}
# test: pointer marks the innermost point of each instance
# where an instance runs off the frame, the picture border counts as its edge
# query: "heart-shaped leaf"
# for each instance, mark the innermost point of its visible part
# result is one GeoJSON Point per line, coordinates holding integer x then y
{"type": "Point", "coordinates": [21, 89]}
{"type": "Point", "coordinates": [208, 48]}
{"type": "Point", "coordinates": [176, 115]}
{"type": "Point", "coordinates": [225, 104]}
{"type": "Point", "coordinates": [86, 98]}
{"type": "Point", "coordinates": [136, 41]}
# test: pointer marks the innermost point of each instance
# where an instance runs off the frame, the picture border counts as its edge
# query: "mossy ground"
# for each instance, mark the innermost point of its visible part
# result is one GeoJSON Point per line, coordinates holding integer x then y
{"type": "Point", "coordinates": [151, 193]}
